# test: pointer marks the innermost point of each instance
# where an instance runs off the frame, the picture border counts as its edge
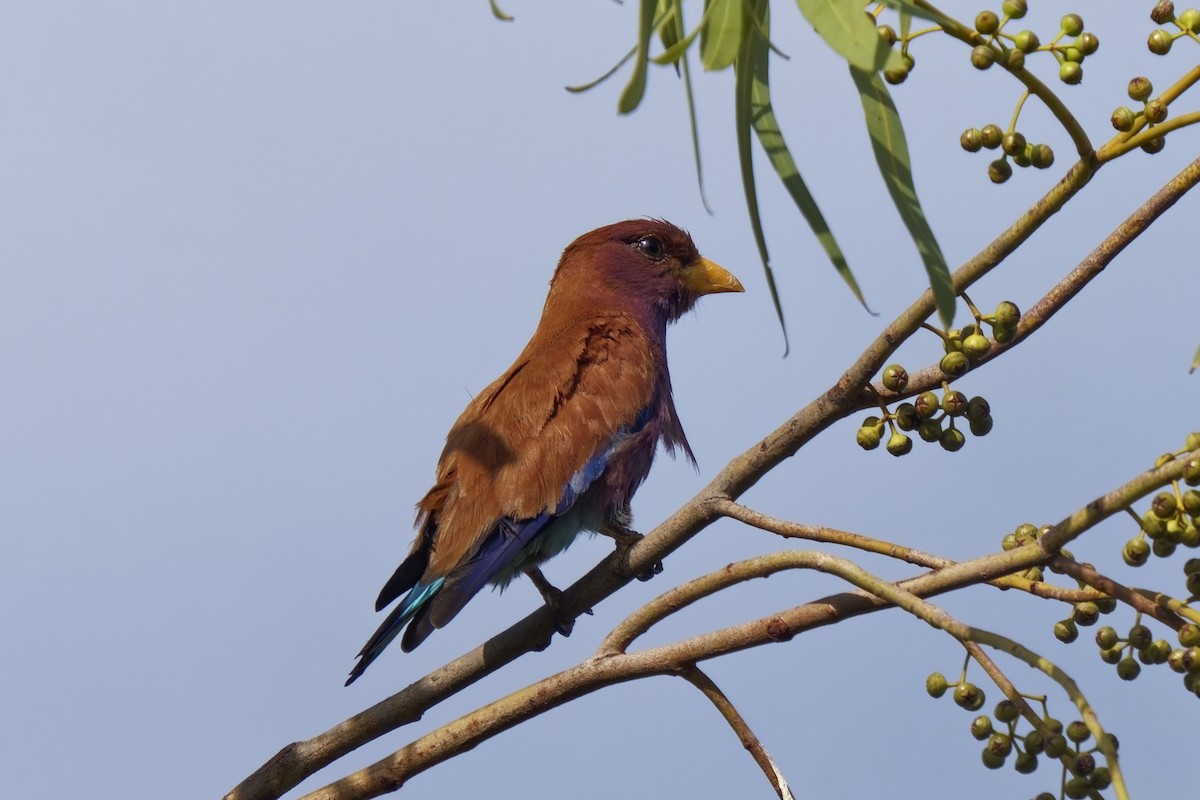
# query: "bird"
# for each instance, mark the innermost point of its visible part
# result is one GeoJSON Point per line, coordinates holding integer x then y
{"type": "Point", "coordinates": [559, 443]}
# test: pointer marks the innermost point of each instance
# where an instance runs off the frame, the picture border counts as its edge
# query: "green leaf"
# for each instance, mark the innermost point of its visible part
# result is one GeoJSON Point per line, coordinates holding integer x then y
{"type": "Point", "coordinates": [498, 12]}
{"type": "Point", "coordinates": [691, 104]}
{"type": "Point", "coordinates": [676, 51]}
{"type": "Point", "coordinates": [762, 117]}
{"type": "Point", "coordinates": [583, 87]}
{"type": "Point", "coordinates": [849, 31]}
{"type": "Point", "coordinates": [743, 96]}
{"type": "Point", "coordinates": [632, 96]}
{"type": "Point", "coordinates": [669, 33]}
{"type": "Point", "coordinates": [891, 153]}
{"type": "Point", "coordinates": [722, 37]}
{"type": "Point", "coordinates": [910, 8]}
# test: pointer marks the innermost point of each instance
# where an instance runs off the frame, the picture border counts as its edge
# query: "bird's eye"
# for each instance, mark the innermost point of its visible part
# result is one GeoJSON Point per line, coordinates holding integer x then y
{"type": "Point", "coordinates": [651, 247]}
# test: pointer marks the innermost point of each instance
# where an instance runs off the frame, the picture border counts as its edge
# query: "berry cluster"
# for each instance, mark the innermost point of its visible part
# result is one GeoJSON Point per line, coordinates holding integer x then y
{"type": "Point", "coordinates": [942, 419]}
{"type": "Point", "coordinates": [1173, 518]}
{"type": "Point", "coordinates": [1002, 740]}
{"type": "Point", "coordinates": [1186, 24]}
{"type": "Point", "coordinates": [1070, 47]}
{"type": "Point", "coordinates": [1154, 111]}
{"type": "Point", "coordinates": [1184, 659]}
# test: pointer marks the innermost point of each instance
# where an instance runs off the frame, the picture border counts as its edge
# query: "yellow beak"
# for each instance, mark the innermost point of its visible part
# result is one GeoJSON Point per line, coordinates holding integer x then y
{"type": "Point", "coordinates": [707, 277]}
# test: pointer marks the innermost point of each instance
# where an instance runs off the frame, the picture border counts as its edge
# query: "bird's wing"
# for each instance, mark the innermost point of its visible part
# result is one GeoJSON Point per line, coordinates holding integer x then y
{"type": "Point", "coordinates": [533, 441]}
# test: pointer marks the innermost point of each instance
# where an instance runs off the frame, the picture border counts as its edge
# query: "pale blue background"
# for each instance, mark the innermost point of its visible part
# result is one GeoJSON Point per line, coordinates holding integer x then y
{"type": "Point", "coordinates": [257, 256]}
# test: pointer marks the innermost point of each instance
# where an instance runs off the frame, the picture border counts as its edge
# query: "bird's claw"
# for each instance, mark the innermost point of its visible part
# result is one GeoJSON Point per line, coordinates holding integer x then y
{"type": "Point", "coordinates": [625, 539]}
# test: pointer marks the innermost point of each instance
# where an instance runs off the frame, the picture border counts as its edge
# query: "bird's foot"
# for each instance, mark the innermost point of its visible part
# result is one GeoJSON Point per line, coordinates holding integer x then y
{"type": "Point", "coordinates": [564, 623]}
{"type": "Point", "coordinates": [625, 539]}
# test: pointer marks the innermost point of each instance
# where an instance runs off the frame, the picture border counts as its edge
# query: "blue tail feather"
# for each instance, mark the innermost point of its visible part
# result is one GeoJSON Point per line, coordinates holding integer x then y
{"type": "Point", "coordinates": [395, 622]}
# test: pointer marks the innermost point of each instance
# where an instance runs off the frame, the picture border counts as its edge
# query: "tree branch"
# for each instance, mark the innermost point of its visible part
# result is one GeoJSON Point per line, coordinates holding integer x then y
{"type": "Point", "coordinates": [299, 760]}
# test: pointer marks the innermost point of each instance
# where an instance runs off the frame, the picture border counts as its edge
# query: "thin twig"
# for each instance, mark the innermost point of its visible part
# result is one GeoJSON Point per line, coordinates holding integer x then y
{"type": "Point", "coordinates": [695, 676]}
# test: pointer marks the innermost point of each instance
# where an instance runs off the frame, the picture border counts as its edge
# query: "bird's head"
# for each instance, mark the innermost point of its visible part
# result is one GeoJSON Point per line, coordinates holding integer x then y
{"type": "Point", "coordinates": [641, 265]}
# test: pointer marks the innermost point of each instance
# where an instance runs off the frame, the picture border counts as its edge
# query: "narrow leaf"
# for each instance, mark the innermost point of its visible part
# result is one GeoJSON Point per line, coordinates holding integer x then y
{"type": "Point", "coordinates": [891, 153]}
{"type": "Point", "coordinates": [498, 12]}
{"type": "Point", "coordinates": [912, 9]}
{"type": "Point", "coordinates": [583, 87]}
{"type": "Point", "coordinates": [1195, 362]}
{"type": "Point", "coordinates": [743, 94]}
{"type": "Point", "coordinates": [632, 96]}
{"type": "Point", "coordinates": [849, 31]}
{"type": "Point", "coordinates": [721, 39]}
{"type": "Point", "coordinates": [771, 138]}
{"type": "Point", "coordinates": [691, 104]}
{"type": "Point", "coordinates": [675, 51]}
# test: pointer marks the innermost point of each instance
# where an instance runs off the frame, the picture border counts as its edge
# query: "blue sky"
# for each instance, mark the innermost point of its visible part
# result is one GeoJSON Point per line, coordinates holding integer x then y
{"type": "Point", "coordinates": [255, 259]}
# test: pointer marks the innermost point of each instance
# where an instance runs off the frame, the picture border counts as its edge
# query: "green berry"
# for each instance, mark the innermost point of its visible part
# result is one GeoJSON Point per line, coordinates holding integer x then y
{"type": "Point", "coordinates": [1065, 631]}
{"type": "Point", "coordinates": [971, 140]}
{"type": "Point", "coordinates": [992, 136]}
{"type": "Point", "coordinates": [1014, 59]}
{"type": "Point", "coordinates": [1140, 89]}
{"type": "Point", "coordinates": [899, 444]}
{"type": "Point", "coordinates": [895, 378]}
{"type": "Point", "coordinates": [955, 364]}
{"type": "Point", "coordinates": [1128, 669]}
{"type": "Point", "coordinates": [869, 436]}
{"type": "Point", "coordinates": [1123, 118]}
{"type": "Point", "coordinates": [999, 171]}
{"type": "Point", "coordinates": [1025, 763]}
{"type": "Point", "coordinates": [981, 727]}
{"type": "Point", "coordinates": [1000, 744]}
{"type": "Point", "coordinates": [1043, 156]}
{"type": "Point", "coordinates": [1001, 333]}
{"type": "Point", "coordinates": [1163, 505]}
{"type": "Point", "coordinates": [969, 696]}
{"type": "Point", "coordinates": [1190, 20]}
{"type": "Point", "coordinates": [1007, 711]}
{"type": "Point", "coordinates": [1078, 732]}
{"type": "Point", "coordinates": [1088, 42]}
{"type": "Point", "coordinates": [1155, 145]}
{"type": "Point", "coordinates": [976, 346]}
{"type": "Point", "coordinates": [990, 759]}
{"type": "Point", "coordinates": [1056, 745]}
{"type": "Point", "coordinates": [1076, 788]}
{"type": "Point", "coordinates": [930, 430]}
{"type": "Point", "coordinates": [981, 426]}
{"type": "Point", "coordinates": [1014, 9]}
{"type": "Point", "coordinates": [1106, 637]}
{"type": "Point", "coordinates": [1072, 24]}
{"type": "Point", "coordinates": [1070, 73]}
{"type": "Point", "coordinates": [1052, 724]}
{"type": "Point", "coordinates": [936, 685]}
{"type": "Point", "coordinates": [1156, 111]}
{"type": "Point", "coordinates": [1112, 655]}
{"type": "Point", "coordinates": [1034, 742]}
{"type": "Point", "coordinates": [1163, 548]}
{"type": "Point", "coordinates": [907, 418]}
{"type": "Point", "coordinates": [1191, 502]}
{"type": "Point", "coordinates": [1026, 41]}
{"type": "Point", "coordinates": [1160, 42]}
{"type": "Point", "coordinates": [1139, 636]}
{"type": "Point", "coordinates": [1006, 314]}
{"type": "Point", "coordinates": [927, 404]}
{"type": "Point", "coordinates": [986, 22]}
{"type": "Point", "coordinates": [1086, 613]}
{"type": "Point", "coordinates": [1189, 634]}
{"type": "Point", "coordinates": [1101, 779]}
{"type": "Point", "coordinates": [1193, 441]}
{"type": "Point", "coordinates": [888, 34]}
{"type": "Point", "coordinates": [982, 56]}
{"type": "Point", "coordinates": [952, 440]}
{"type": "Point", "coordinates": [978, 408]}
{"type": "Point", "coordinates": [1136, 552]}
{"type": "Point", "coordinates": [954, 403]}
{"type": "Point", "coordinates": [1191, 472]}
